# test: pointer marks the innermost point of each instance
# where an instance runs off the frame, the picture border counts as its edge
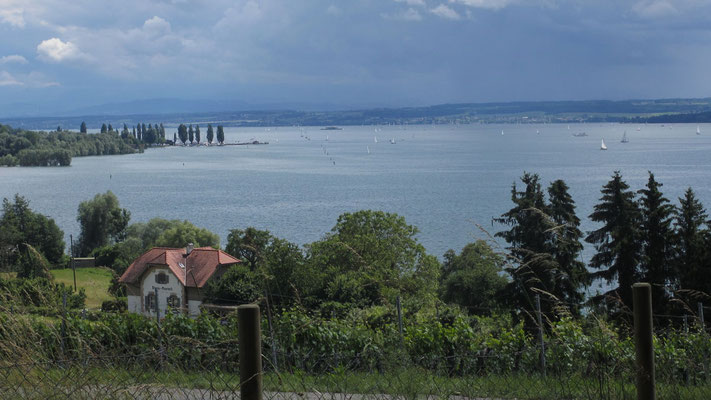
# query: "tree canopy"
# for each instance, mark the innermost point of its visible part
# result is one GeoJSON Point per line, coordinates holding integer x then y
{"type": "Point", "coordinates": [102, 222]}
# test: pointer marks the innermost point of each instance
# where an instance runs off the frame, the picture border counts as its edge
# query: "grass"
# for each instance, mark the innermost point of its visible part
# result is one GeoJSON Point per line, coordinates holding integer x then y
{"type": "Point", "coordinates": [95, 281]}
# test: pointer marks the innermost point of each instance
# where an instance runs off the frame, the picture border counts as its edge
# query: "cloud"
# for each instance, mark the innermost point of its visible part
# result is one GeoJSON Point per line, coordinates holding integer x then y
{"type": "Point", "coordinates": [654, 9]}
{"type": "Point", "coordinates": [156, 26]}
{"type": "Point", "coordinates": [420, 3]}
{"type": "Point", "coordinates": [445, 12]}
{"type": "Point", "coordinates": [13, 58]}
{"type": "Point", "coordinates": [12, 16]}
{"type": "Point", "coordinates": [54, 50]}
{"type": "Point", "coordinates": [407, 15]}
{"type": "Point", "coordinates": [486, 4]}
{"type": "Point", "coordinates": [8, 80]}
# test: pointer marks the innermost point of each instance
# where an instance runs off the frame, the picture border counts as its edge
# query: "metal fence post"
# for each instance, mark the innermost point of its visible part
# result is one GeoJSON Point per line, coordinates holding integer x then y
{"type": "Point", "coordinates": [250, 352]}
{"type": "Point", "coordinates": [644, 346]}
{"type": "Point", "coordinates": [540, 334]}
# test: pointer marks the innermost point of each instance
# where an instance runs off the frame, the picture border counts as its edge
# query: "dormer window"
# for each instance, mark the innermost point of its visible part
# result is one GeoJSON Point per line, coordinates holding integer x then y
{"type": "Point", "coordinates": [162, 278]}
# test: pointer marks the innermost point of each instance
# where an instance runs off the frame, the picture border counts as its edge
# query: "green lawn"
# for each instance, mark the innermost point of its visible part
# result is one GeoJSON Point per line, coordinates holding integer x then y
{"type": "Point", "coordinates": [95, 282]}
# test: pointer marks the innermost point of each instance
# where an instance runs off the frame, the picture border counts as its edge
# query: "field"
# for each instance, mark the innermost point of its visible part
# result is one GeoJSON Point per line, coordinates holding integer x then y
{"type": "Point", "coordinates": [95, 282]}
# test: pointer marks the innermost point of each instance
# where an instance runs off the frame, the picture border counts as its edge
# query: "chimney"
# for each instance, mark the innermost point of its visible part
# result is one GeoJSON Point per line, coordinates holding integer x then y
{"type": "Point", "coordinates": [189, 249]}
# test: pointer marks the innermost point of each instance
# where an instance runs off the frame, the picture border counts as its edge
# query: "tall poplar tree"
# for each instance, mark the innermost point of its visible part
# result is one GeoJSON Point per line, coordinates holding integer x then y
{"type": "Point", "coordinates": [82, 127]}
{"type": "Point", "coordinates": [103, 128]}
{"type": "Point", "coordinates": [197, 134]}
{"type": "Point", "coordinates": [183, 133]}
{"type": "Point", "coordinates": [657, 240]}
{"type": "Point", "coordinates": [210, 134]}
{"type": "Point", "coordinates": [220, 134]}
{"type": "Point", "coordinates": [191, 133]}
{"type": "Point", "coordinates": [617, 242]}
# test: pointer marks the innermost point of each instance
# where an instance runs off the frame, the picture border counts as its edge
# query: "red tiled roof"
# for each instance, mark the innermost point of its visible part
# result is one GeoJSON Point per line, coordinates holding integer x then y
{"type": "Point", "coordinates": [199, 265]}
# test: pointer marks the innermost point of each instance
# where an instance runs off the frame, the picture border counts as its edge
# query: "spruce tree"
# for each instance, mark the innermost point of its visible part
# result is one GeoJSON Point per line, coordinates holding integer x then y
{"type": "Point", "coordinates": [210, 134]}
{"type": "Point", "coordinates": [197, 134]}
{"type": "Point", "coordinates": [694, 274]}
{"type": "Point", "coordinates": [657, 238]}
{"type": "Point", "coordinates": [191, 133]}
{"type": "Point", "coordinates": [565, 246]}
{"type": "Point", "coordinates": [532, 264]}
{"type": "Point", "coordinates": [617, 242]}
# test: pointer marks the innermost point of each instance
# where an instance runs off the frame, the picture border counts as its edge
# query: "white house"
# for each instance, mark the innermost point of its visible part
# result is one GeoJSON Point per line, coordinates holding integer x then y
{"type": "Point", "coordinates": [175, 276]}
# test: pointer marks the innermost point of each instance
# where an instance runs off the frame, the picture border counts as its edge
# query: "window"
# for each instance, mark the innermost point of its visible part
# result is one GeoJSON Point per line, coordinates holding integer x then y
{"type": "Point", "coordinates": [162, 278]}
{"type": "Point", "coordinates": [150, 302]}
{"type": "Point", "coordinates": [173, 301]}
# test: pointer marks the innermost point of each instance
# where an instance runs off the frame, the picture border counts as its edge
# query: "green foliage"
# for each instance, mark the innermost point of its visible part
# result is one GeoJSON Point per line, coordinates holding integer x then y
{"type": "Point", "coordinates": [220, 134]}
{"type": "Point", "coordinates": [102, 221]}
{"type": "Point", "coordinates": [197, 134]}
{"type": "Point", "coordinates": [22, 229]}
{"type": "Point", "coordinates": [191, 133]}
{"type": "Point", "coordinates": [180, 233]}
{"type": "Point", "coordinates": [183, 133]}
{"type": "Point", "coordinates": [473, 278]}
{"type": "Point", "coordinates": [239, 285]}
{"type": "Point", "coordinates": [210, 134]}
{"type": "Point", "coordinates": [618, 241]}
{"type": "Point", "coordinates": [38, 295]}
{"type": "Point", "coordinates": [692, 258]}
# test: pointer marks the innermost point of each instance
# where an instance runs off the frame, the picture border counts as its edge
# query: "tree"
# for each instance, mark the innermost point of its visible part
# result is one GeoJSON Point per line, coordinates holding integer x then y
{"type": "Point", "coordinates": [134, 132]}
{"type": "Point", "coordinates": [82, 127]}
{"type": "Point", "coordinates": [162, 132]}
{"type": "Point", "coordinates": [197, 134]}
{"type": "Point", "coordinates": [694, 274]}
{"type": "Point", "coordinates": [532, 268]}
{"type": "Point", "coordinates": [657, 236]}
{"type": "Point", "coordinates": [102, 222]}
{"type": "Point", "coordinates": [210, 134]}
{"type": "Point", "coordinates": [183, 133]}
{"type": "Point", "coordinates": [473, 278]}
{"type": "Point", "coordinates": [248, 245]}
{"type": "Point", "coordinates": [20, 227]}
{"type": "Point", "coordinates": [103, 128]}
{"type": "Point", "coordinates": [59, 128]}
{"type": "Point", "coordinates": [111, 128]}
{"type": "Point", "coordinates": [565, 246]}
{"type": "Point", "coordinates": [191, 133]}
{"type": "Point", "coordinates": [175, 137]}
{"type": "Point", "coordinates": [618, 241]}
{"type": "Point", "coordinates": [183, 232]}
{"type": "Point", "coordinates": [124, 132]}
{"type": "Point", "coordinates": [220, 134]}
{"type": "Point", "coordinates": [369, 258]}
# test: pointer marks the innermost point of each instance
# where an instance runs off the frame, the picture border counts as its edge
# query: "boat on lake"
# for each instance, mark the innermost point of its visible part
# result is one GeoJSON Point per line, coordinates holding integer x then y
{"type": "Point", "coordinates": [580, 134]}
{"type": "Point", "coordinates": [602, 145]}
{"type": "Point", "coordinates": [624, 138]}
{"type": "Point", "coordinates": [698, 130]}
{"type": "Point", "coordinates": [331, 128]}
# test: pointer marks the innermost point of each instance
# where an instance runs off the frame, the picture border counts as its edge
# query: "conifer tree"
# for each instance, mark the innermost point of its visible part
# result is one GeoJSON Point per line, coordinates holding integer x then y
{"type": "Point", "coordinates": [689, 220]}
{"type": "Point", "coordinates": [532, 264]}
{"type": "Point", "coordinates": [59, 128]}
{"type": "Point", "coordinates": [103, 128]}
{"type": "Point", "coordinates": [191, 133]}
{"type": "Point", "coordinates": [210, 134]}
{"type": "Point", "coordinates": [111, 128]}
{"type": "Point", "coordinates": [565, 247]}
{"type": "Point", "coordinates": [657, 239]}
{"type": "Point", "coordinates": [82, 127]}
{"type": "Point", "coordinates": [617, 242]}
{"type": "Point", "coordinates": [175, 137]}
{"type": "Point", "coordinates": [197, 134]}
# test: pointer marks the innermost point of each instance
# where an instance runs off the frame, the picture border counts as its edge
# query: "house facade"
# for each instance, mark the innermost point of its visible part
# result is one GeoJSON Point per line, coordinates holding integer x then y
{"type": "Point", "coordinates": [167, 280]}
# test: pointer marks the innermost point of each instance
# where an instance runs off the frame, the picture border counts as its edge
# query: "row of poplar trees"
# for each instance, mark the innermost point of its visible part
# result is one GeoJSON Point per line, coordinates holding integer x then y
{"type": "Point", "coordinates": [150, 134]}
{"type": "Point", "coordinates": [643, 238]}
{"type": "Point", "coordinates": [186, 134]}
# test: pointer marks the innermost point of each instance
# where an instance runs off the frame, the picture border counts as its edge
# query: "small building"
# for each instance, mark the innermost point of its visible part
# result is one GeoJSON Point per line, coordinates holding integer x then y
{"type": "Point", "coordinates": [175, 276]}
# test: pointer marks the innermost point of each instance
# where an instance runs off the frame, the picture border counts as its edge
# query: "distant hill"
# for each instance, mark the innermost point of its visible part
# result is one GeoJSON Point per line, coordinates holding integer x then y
{"type": "Point", "coordinates": [234, 113]}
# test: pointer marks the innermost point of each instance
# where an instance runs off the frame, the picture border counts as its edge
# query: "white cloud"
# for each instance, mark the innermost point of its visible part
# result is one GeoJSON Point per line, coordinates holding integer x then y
{"type": "Point", "coordinates": [407, 15]}
{"type": "Point", "coordinates": [8, 80]}
{"type": "Point", "coordinates": [486, 4]}
{"type": "Point", "coordinates": [445, 12]}
{"type": "Point", "coordinates": [54, 50]}
{"type": "Point", "coordinates": [420, 3]}
{"type": "Point", "coordinates": [13, 58]}
{"type": "Point", "coordinates": [654, 8]}
{"type": "Point", "coordinates": [12, 16]}
{"type": "Point", "coordinates": [156, 26]}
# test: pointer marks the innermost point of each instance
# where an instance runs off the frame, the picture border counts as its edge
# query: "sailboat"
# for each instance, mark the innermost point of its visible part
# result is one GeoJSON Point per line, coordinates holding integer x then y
{"type": "Point", "coordinates": [375, 139]}
{"type": "Point", "coordinates": [538, 132]}
{"type": "Point", "coordinates": [698, 130]}
{"type": "Point", "coordinates": [602, 145]}
{"type": "Point", "coordinates": [368, 148]}
{"type": "Point", "coordinates": [502, 132]}
{"type": "Point", "coordinates": [392, 141]}
{"type": "Point", "coordinates": [624, 138]}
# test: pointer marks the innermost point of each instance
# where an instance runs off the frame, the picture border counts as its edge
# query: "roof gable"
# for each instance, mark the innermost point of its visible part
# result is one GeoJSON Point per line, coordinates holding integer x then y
{"type": "Point", "coordinates": [192, 270]}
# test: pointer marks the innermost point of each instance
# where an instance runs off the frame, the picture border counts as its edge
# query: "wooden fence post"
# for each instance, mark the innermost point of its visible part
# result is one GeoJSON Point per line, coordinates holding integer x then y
{"type": "Point", "coordinates": [644, 346]}
{"type": "Point", "coordinates": [250, 352]}
{"type": "Point", "coordinates": [540, 335]}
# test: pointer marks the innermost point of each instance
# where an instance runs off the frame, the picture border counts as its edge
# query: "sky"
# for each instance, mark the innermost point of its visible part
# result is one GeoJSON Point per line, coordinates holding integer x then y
{"type": "Point", "coordinates": [58, 55]}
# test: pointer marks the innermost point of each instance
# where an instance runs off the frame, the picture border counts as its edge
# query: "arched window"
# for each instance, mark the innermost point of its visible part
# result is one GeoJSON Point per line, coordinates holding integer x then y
{"type": "Point", "coordinates": [162, 278]}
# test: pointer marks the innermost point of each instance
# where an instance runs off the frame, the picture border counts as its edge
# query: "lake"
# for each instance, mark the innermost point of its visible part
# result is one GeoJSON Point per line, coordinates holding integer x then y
{"type": "Point", "coordinates": [448, 180]}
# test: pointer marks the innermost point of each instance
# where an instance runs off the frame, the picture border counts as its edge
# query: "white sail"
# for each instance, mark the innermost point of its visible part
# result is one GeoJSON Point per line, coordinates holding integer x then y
{"type": "Point", "coordinates": [375, 139]}
{"type": "Point", "coordinates": [602, 145]}
{"type": "Point", "coordinates": [367, 148]}
{"type": "Point", "coordinates": [502, 132]}
{"type": "Point", "coordinates": [698, 130]}
{"type": "Point", "coordinates": [624, 138]}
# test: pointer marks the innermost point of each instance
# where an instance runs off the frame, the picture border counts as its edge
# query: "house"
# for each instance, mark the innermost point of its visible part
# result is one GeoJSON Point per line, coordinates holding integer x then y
{"type": "Point", "coordinates": [173, 278]}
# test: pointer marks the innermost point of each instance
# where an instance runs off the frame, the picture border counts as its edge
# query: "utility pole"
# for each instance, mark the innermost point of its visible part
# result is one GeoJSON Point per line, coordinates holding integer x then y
{"type": "Point", "coordinates": [74, 269]}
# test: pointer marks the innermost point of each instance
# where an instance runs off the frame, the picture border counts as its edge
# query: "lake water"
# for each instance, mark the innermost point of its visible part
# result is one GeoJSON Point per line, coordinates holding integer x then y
{"type": "Point", "coordinates": [446, 180]}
